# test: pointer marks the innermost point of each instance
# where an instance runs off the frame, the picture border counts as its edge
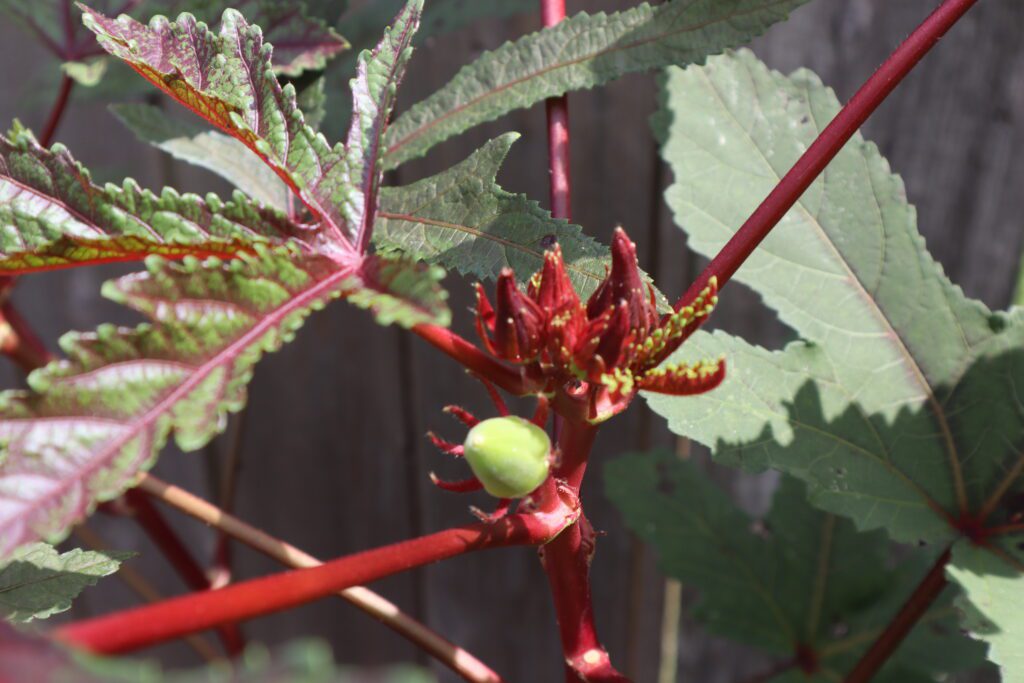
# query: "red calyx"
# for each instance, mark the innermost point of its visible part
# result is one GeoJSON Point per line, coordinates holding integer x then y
{"type": "Point", "coordinates": [513, 330]}
{"type": "Point", "coordinates": [624, 283]}
{"type": "Point", "coordinates": [614, 343]}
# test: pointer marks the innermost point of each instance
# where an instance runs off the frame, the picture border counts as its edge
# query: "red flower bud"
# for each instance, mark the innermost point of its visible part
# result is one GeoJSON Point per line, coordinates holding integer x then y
{"type": "Point", "coordinates": [551, 287]}
{"type": "Point", "coordinates": [513, 330]}
{"type": "Point", "coordinates": [624, 283]}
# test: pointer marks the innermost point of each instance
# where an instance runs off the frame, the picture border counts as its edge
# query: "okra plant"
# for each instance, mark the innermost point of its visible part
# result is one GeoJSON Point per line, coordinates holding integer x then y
{"type": "Point", "coordinates": [895, 542]}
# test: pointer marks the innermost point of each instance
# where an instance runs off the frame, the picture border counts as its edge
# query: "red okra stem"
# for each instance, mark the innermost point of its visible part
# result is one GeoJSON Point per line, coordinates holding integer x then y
{"type": "Point", "coordinates": [566, 562]}
{"type": "Point", "coordinates": [19, 342]}
{"type": "Point", "coordinates": [557, 109]}
{"type": "Point", "coordinates": [165, 538]}
{"type": "Point", "coordinates": [151, 624]}
{"type": "Point", "coordinates": [828, 144]}
{"type": "Point", "coordinates": [920, 600]}
{"type": "Point", "coordinates": [57, 111]}
{"type": "Point", "coordinates": [473, 359]}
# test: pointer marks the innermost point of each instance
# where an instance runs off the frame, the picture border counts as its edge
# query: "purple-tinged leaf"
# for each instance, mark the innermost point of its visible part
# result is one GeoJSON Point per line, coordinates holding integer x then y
{"type": "Point", "coordinates": [373, 97]}
{"type": "Point", "coordinates": [226, 78]}
{"type": "Point", "coordinates": [301, 42]}
{"type": "Point", "coordinates": [53, 216]}
{"type": "Point", "coordinates": [92, 422]}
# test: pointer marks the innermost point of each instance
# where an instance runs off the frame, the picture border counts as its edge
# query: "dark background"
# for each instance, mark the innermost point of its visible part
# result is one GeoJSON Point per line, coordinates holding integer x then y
{"type": "Point", "coordinates": [333, 454]}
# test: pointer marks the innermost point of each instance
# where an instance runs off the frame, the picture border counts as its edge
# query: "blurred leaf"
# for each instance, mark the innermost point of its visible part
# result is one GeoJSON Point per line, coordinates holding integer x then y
{"type": "Point", "coordinates": [25, 657]}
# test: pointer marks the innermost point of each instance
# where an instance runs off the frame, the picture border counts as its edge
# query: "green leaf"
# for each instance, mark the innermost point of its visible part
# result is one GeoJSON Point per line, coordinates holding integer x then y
{"type": "Point", "coordinates": [799, 583]}
{"type": "Point", "coordinates": [462, 219]}
{"type": "Point", "coordinates": [581, 52]}
{"type": "Point", "coordinates": [216, 152]}
{"type": "Point", "coordinates": [900, 408]}
{"type": "Point", "coordinates": [53, 216]}
{"type": "Point", "coordinates": [363, 25]}
{"type": "Point", "coordinates": [993, 606]}
{"type": "Point", "coordinates": [87, 73]}
{"type": "Point", "coordinates": [38, 582]}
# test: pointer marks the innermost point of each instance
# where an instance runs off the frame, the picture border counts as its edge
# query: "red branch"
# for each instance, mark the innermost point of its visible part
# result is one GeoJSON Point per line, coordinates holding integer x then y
{"type": "Point", "coordinates": [474, 359]}
{"type": "Point", "coordinates": [57, 111]}
{"type": "Point", "coordinates": [920, 600]}
{"type": "Point", "coordinates": [150, 624]}
{"type": "Point", "coordinates": [828, 144]}
{"type": "Point", "coordinates": [19, 342]}
{"type": "Point", "coordinates": [170, 544]}
{"type": "Point", "coordinates": [557, 109]}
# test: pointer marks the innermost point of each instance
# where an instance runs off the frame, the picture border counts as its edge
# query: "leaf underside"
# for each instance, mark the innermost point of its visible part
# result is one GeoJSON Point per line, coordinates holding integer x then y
{"type": "Point", "coordinates": [578, 53]}
{"type": "Point", "coordinates": [800, 579]}
{"type": "Point", "coordinates": [899, 408]}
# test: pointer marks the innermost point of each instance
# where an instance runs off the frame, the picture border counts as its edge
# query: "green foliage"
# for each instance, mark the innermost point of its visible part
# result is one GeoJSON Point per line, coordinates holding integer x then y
{"type": "Point", "coordinates": [363, 25]}
{"type": "Point", "coordinates": [899, 407]}
{"type": "Point", "coordinates": [24, 657]}
{"type": "Point", "coordinates": [799, 583]}
{"type": "Point", "coordinates": [992, 607]}
{"type": "Point", "coordinates": [462, 219]}
{"type": "Point", "coordinates": [581, 52]}
{"type": "Point", "coordinates": [38, 582]}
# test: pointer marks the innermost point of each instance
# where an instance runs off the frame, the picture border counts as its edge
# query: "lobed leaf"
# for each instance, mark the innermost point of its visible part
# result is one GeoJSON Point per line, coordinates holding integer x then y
{"type": "Point", "coordinates": [53, 216]}
{"type": "Point", "coordinates": [38, 582]}
{"type": "Point", "coordinates": [800, 583]}
{"type": "Point", "coordinates": [900, 408]}
{"type": "Point", "coordinates": [462, 219]}
{"type": "Point", "coordinates": [226, 78]}
{"type": "Point", "coordinates": [90, 423]}
{"type": "Point", "coordinates": [581, 52]}
{"type": "Point", "coordinates": [362, 26]}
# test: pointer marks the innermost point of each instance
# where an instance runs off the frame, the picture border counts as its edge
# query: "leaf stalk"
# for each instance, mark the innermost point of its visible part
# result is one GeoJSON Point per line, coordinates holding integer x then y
{"type": "Point", "coordinates": [913, 609]}
{"type": "Point", "coordinates": [458, 660]}
{"type": "Point", "coordinates": [140, 627]}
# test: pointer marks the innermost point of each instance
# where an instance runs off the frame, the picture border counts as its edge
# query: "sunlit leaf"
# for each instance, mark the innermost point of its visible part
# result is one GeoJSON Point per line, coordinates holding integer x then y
{"type": "Point", "coordinates": [581, 52]}
{"type": "Point", "coordinates": [900, 408]}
